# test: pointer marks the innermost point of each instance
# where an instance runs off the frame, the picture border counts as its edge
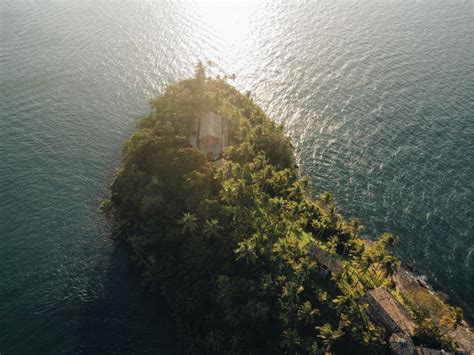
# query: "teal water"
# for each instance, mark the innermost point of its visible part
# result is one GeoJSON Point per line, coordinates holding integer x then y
{"type": "Point", "coordinates": [377, 96]}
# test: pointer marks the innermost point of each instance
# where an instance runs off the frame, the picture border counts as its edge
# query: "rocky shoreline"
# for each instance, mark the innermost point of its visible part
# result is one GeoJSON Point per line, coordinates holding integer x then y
{"type": "Point", "coordinates": [407, 281]}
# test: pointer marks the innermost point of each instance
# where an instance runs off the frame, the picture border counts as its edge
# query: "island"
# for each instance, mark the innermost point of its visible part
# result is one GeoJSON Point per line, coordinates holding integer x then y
{"type": "Point", "coordinates": [220, 222]}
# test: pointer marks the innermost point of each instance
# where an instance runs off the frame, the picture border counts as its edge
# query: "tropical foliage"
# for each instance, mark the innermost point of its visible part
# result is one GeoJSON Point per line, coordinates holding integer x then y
{"type": "Point", "coordinates": [228, 244]}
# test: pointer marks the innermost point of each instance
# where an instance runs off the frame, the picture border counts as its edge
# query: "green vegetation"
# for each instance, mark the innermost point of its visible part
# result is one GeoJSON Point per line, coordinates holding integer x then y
{"type": "Point", "coordinates": [436, 318]}
{"type": "Point", "coordinates": [228, 245]}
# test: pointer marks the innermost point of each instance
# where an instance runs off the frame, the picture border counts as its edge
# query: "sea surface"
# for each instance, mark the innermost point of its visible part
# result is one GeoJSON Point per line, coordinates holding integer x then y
{"type": "Point", "coordinates": [378, 97]}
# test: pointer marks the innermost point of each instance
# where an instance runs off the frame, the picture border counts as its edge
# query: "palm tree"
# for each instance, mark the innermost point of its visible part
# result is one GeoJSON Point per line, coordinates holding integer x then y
{"type": "Point", "coordinates": [391, 266]}
{"type": "Point", "coordinates": [315, 349]}
{"type": "Point", "coordinates": [246, 251]}
{"type": "Point", "coordinates": [189, 223]}
{"type": "Point", "coordinates": [387, 263]}
{"type": "Point", "coordinates": [327, 335]}
{"type": "Point", "coordinates": [200, 71]}
{"type": "Point", "coordinates": [355, 227]}
{"type": "Point", "coordinates": [209, 65]}
{"type": "Point", "coordinates": [325, 198]}
{"type": "Point", "coordinates": [215, 340]}
{"type": "Point", "coordinates": [266, 174]}
{"type": "Point", "coordinates": [230, 192]}
{"type": "Point", "coordinates": [307, 313]}
{"type": "Point", "coordinates": [365, 264]}
{"type": "Point", "coordinates": [212, 229]}
{"type": "Point", "coordinates": [291, 341]}
{"type": "Point", "coordinates": [220, 174]}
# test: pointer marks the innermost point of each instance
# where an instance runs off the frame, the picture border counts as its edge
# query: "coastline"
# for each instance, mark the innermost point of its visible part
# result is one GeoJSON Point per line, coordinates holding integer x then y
{"type": "Point", "coordinates": [407, 281]}
{"type": "Point", "coordinates": [251, 219]}
{"type": "Point", "coordinates": [437, 287]}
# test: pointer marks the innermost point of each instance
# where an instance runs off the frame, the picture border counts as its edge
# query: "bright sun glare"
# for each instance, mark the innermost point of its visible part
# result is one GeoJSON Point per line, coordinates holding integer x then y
{"type": "Point", "coordinates": [227, 20]}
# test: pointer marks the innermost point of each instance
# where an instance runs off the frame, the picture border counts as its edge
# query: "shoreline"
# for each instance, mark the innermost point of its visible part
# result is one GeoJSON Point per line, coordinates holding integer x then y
{"type": "Point", "coordinates": [407, 281]}
{"type": "Point", "coordinates": [437, 287]}
{"type": "Point", "coordinates": [431, 285]}
{"type": "Point", "coordinates": [253, 221]}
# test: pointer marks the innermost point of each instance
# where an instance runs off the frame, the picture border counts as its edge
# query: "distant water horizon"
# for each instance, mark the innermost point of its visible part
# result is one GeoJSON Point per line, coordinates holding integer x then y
{"type": "Point", "coordinates": [378, 98]}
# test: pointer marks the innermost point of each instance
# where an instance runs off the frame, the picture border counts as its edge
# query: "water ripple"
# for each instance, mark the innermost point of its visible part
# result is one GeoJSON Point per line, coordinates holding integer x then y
{"type": "Point", "coordinates": [378, 99]}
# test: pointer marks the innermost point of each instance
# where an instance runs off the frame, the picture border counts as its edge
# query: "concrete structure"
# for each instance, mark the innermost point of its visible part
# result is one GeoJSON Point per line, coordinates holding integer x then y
{"type": "Point", "coordinates": [385, 310]}
{"type": "Point", "coordinates": [426, 351]}
{"type": "Point", "coordinates": [327, 261]}
{"type": "Point", "coordinates": [400, 344]}
{"type": "Point", "coordinates": [210, 135]}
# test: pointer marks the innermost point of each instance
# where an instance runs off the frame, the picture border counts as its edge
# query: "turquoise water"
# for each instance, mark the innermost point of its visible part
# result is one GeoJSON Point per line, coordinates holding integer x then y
{"type": "Point", "coordinates": [377, 96]}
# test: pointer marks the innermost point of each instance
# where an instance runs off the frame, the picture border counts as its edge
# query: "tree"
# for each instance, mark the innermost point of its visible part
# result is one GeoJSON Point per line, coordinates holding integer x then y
{"type": "Point", "coordinates": [200, 73]}
{"type": "Point", "coordinates": [246, 251]}
{"type": "Point", "coordinates": [355, 228]}
{"type": "Point", "coordinates": [228, 245]}
{"type": "Point", "coordinates": [391, 265]}
{"type": "Point", "coordinates": [189, 223]}
{"type": "Point", "coordinates": [215, 340]}
{"type": "Point", "coordinates": [291, 341]}
{"type": "Point", "coordinates": [328, 335]}
{"type": "Point", "coordinates": [212, 229]}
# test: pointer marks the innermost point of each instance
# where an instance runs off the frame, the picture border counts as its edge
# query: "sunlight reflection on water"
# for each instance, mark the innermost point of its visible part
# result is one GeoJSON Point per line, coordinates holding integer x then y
{"type": "Point", "coordinates": [377, 97]}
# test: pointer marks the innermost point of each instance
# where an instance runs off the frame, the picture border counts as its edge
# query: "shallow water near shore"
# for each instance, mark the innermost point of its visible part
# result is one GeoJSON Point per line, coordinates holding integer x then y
{"type": "Point", "coordinates": [377, 96]}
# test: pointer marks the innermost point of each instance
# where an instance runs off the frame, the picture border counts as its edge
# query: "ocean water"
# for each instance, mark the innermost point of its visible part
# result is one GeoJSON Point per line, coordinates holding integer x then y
{"type": "Point", "coordinates": [378, 97]}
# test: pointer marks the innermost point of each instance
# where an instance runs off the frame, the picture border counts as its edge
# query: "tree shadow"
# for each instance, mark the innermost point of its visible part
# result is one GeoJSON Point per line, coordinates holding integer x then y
{"type": "Point", "coordinates": [117, 316]}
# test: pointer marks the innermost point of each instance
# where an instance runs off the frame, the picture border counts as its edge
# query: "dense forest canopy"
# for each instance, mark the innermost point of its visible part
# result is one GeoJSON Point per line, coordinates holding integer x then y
{"type": "Point", "coordinates": [228, 244]}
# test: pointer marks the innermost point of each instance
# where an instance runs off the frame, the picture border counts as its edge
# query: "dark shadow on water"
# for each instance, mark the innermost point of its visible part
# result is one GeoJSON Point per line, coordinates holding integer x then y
{"type": "Point", "coordinates": [118, 317]}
